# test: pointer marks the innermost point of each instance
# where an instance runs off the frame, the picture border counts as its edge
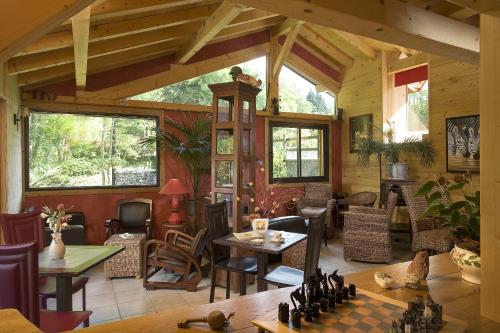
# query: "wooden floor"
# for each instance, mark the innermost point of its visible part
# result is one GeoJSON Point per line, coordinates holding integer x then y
{"type": "Point", "coordinates": [460, 299]}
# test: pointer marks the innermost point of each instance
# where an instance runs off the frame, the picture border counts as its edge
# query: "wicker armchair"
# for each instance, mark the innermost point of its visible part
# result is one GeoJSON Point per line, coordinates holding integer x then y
{"type": "Point", "coordinates": [364, 199]}
{"type": "Point", "coordinates": [366, 232]}
{"type": "Point", "coordinates": [425, 235]}
{"type": "Point", "coordinates": [316, 201]}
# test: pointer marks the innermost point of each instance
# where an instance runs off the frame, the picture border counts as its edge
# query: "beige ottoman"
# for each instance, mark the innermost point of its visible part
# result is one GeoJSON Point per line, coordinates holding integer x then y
{"type": "Point", "coordinates": [129, 261]}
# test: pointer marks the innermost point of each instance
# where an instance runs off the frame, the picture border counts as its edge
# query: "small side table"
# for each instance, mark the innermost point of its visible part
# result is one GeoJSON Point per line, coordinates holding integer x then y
{"type": "Point", "coordinates": [129, 261]}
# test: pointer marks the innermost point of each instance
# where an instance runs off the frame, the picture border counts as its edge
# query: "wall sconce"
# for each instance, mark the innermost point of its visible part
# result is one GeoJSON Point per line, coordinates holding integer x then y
{"type": "Point", "coordinates": [23, 112]}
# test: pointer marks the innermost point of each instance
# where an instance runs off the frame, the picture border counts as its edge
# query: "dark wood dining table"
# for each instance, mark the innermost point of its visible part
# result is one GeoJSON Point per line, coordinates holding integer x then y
{"type": "Point", "coordinates": [77, 260]}
{"type": "Point", "coordinates": [263, 250]}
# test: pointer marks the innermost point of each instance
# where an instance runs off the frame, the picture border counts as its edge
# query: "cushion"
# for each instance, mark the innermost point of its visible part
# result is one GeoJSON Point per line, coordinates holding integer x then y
{"type": "Point", "coordinates": [310, 211]}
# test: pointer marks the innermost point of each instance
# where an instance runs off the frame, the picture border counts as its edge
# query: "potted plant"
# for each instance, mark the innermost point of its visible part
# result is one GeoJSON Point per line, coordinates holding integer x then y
{"type": "Point", "coordinates": [459, 207]}
{"type": "Point", "coordinates": [384, 146]}
{"type": "Point", "coordinates": [189, 140]}
{"type": "Point", "coordinates": [57, 219]}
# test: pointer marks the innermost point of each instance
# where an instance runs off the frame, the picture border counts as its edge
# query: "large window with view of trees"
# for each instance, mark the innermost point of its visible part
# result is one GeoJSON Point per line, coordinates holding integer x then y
{"type": "Point", "coordinates": [299, 95]}
{"type": "Point", "coordinates": [196, 91]}
{"type": "Point", "coordinates": [66, 151]}
{"type": "Point", "coordinates": [299, 152]}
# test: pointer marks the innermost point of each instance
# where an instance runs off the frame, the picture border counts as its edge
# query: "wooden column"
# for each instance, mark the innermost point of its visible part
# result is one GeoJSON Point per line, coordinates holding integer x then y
{"type": "Point", "coordinates": [272, 81]}
{"type": "Point", "coordinates": [490, 165]}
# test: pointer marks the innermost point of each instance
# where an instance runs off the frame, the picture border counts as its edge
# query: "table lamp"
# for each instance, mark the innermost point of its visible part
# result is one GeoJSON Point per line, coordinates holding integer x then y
{"type": "Point", "coordinates": [175, 188]}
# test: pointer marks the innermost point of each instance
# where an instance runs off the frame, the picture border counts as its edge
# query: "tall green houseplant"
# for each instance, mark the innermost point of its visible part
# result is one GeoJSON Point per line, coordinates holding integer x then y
{"type": "Point", "coordinates": [384, 146]}
{"type": "Point", "coordinates": [189, 140]}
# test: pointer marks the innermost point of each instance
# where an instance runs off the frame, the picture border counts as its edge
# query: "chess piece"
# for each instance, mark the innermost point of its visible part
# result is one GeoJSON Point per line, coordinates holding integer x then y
{"type": "Point", "coordinates": [283, 313]}
{"type": "Point", "coordinates": [308, 313]}
{"type": "Point", "coordinates": [315, 309]}
{"type": "Point", "coordinates": [419, 266]}
{"type": "Point", "coordinates": [345, 293]}
{"type": "Point", "coordinates": [352, 290]}
{"type": "Point", "coordinates": [295, 313]}
{"type": "Point", "coordinates": [331, 300]}
{"type": "Point", "coordinates": [324, 304]}
{"type": "Point", "coordinates": [299, 296]}
{"type": "Point", "coordinates": [383, 280]}
{"type": "Point", "coordinates": [338, 296]}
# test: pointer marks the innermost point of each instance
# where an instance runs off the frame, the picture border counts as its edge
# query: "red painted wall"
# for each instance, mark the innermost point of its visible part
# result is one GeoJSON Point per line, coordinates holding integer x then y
{"type": "Point", "coordinates": [99, 207]}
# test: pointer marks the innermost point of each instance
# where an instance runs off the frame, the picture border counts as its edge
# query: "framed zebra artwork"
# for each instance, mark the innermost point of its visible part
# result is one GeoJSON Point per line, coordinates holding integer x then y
{"type": "Point", "coordinates": [462, 144]}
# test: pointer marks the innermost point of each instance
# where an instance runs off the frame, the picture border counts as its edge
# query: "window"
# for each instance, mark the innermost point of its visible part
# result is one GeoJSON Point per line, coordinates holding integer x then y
{"type": "Point", "coordinates": [409, 110]}
{"type": "Point", "coordinates": [89, 151]}
{"type": "Point", "coordinates": [299, 152]}
{"type": "Point", "coordinates": [196, 91]}
{"type": "Point", "coordinates": [299, 95]}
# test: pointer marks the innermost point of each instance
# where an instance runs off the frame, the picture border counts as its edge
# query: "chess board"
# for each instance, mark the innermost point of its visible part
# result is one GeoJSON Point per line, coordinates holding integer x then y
{"type": "Point", "coordinates": [365, 313]}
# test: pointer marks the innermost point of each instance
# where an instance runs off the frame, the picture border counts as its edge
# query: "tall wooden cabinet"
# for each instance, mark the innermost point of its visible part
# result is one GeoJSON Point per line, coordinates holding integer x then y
{"type": "Point", "coordinates": [233, 148]}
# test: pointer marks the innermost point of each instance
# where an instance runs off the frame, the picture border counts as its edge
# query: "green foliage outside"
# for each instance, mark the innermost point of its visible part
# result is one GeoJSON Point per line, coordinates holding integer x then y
{"type": "Point", "coordinates": [69, 150]}
{"type": "Point", "coordinates": [196, 91]}
{"type": "Point", "coordinates": [418, 109]}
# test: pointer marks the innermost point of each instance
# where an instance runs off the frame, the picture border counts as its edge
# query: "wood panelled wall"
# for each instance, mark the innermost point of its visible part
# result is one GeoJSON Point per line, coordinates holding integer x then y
{"type": "Point", "coordinates": [453, 91]}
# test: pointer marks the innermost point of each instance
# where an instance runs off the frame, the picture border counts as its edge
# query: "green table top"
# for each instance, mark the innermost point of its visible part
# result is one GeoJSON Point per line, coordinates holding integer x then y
{"type": "Point", "coordinates": [77, 260]}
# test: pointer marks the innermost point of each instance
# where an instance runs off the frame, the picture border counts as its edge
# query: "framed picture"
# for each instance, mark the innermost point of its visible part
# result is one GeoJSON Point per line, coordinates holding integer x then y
{"type": "Point", "coordinates": [462, 144]}
{"type": "Point", "coordinates": [360, 127]}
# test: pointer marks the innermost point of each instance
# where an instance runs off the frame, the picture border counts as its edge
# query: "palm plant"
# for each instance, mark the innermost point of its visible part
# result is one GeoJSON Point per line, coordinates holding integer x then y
{"type": "Point", "coordinates": [189, 140]}
{"type": "Point", "coordinates": [385, 147]}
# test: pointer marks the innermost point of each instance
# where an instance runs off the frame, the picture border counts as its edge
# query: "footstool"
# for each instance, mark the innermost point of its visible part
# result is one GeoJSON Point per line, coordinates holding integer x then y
{"type": "Point", "coordinates": [129, 261]}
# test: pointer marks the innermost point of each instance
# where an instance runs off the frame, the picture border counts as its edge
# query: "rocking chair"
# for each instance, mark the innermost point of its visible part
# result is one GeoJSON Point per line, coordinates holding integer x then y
{"type": "Point", "coordinates": [174, 263]}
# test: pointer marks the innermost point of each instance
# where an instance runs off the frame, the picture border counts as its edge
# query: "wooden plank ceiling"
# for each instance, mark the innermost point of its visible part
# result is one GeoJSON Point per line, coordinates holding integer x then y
{"type": "Point", "coordinates": [113, 33]}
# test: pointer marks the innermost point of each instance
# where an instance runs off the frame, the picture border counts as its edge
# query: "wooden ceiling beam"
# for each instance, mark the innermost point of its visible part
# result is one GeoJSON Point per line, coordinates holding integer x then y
{"type": "Point", "coordinates": [319, 39]}
{"type": "Point", "coordinates": [80, 25]}
{"type": "Point", "coordinates": [358, 43]}
{"type": "Point", "coordinates": [463, 14]}
{"type": "Point", "coordinates": [284, 27]}
{"type": "Point", "coordinates": [51, 74]}
{"type": "Point", "coordinates": [414, 28]}
{"type": "Point", "coordinates": [180, 73]}
{"type": "Point", "coordinates": [97, 49]}
{"type": "Point", "coordinates": [23, 22]}
{"type": "Point", "coordinates": [249, 16]}
{"type": "Point", "coordinates": [286, 47]}
{"type": "Point", "coordinates": [318, 53]}
{"type": "Point", "coordinates": [479, 6]}
{"type": "Point", "coordinates": [414, 61]}
{"type": "Point", "coordinates": [122, 28]}
{"type": "Point", "coordinates": [220, 18]}
{"type": "Point", "coordinates": [247, 28]}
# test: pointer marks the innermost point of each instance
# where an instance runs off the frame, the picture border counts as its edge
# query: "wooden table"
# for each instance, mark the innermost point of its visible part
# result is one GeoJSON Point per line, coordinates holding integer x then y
{"type": "Point", "coordinates": [460, 299]}
{"type": "Point", "coordinates": [78, 260]}
{"type": "Point", "coordinates": [262, 250]}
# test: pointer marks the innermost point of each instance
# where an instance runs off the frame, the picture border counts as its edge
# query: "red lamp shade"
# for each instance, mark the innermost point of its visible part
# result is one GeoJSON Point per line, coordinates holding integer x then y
{"type": "Point", "coordinates": [174, 187]}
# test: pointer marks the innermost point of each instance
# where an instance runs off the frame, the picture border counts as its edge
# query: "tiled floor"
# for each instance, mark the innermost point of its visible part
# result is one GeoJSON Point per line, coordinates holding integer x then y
{"type": "Point", "coordinates": [125, 298]}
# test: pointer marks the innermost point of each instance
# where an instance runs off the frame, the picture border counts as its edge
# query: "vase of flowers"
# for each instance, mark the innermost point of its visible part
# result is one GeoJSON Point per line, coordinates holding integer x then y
{"type": "Point", "coordinates": [57, 219]}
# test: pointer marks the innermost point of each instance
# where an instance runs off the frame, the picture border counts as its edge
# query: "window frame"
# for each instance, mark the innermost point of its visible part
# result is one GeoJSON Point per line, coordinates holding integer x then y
{"type": "Point", "coordinates": [326, 153]}
{"type": "Point", "coordinates": [26, 154]}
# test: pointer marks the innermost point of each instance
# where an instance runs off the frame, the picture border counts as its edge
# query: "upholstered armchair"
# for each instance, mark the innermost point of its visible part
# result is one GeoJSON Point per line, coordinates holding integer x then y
{"type": "Point", "coordinates": [133, 216]}
{"type": "Point", "coordinates": [425, 234]}
{"type": "Point", "coordinates": [316, 201]}
{"type": "Point", "coordinates": [366, 232]}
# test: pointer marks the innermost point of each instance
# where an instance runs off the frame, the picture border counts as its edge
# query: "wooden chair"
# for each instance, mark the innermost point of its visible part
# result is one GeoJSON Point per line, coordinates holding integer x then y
{"type": "Point", "coordinates": [133, 215]}
{"type": "Point", "coordinates": [19, 281]}
{"type": "Point", "coordinates": [366, 232]}
{"type": "Point", "coordinates": [220, 258]}
{"type": "Point", "coordinates": [425, 235]}
{"type": "Point", "coordinates": [285, 276]}
{"type": "Point", "coordinates": [179, 253]}
{"type": "Point", "coordinates": [28, 227]}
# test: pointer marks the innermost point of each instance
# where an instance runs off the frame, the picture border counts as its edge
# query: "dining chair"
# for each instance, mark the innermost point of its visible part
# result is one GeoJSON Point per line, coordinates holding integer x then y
{"type": "Point", "coordinates": [367, 234]}
{"type": "Point", "coordinates": [19, 281]}
{"type": "Point", "coordinates": [133, 215]}
{"type": "Point", "coordinates": [285, 276]}
{"type": "Point", "coordinates": [220, 257]}
{"type": "Point", "coordinates": [28, 227]}
{"type": "Point", "coordinates": [425, 234]}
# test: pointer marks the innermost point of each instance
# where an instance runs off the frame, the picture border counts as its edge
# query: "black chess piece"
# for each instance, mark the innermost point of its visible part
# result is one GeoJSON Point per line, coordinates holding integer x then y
{"type": "Point", "coordinates": [283, 313]}
{"type": "Point", "coordinates": [315, 309]}
{"type": "Point", "coordinates": [338, 296]}
{"type": "Point", "coordinates": [331, 300]}
{"type": "Point", "coordinates": [295, 313]}
{"type": "Point", "coordinates": [308, 313]}
{"type": "Point", "coordinates": [345, 293]}
{"type": "Point", "coordinates": [352, 290]}
{"type": "Point", "coordinates": [299, 296]}
{"type": "Point", "coordinates": [323, 304]}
